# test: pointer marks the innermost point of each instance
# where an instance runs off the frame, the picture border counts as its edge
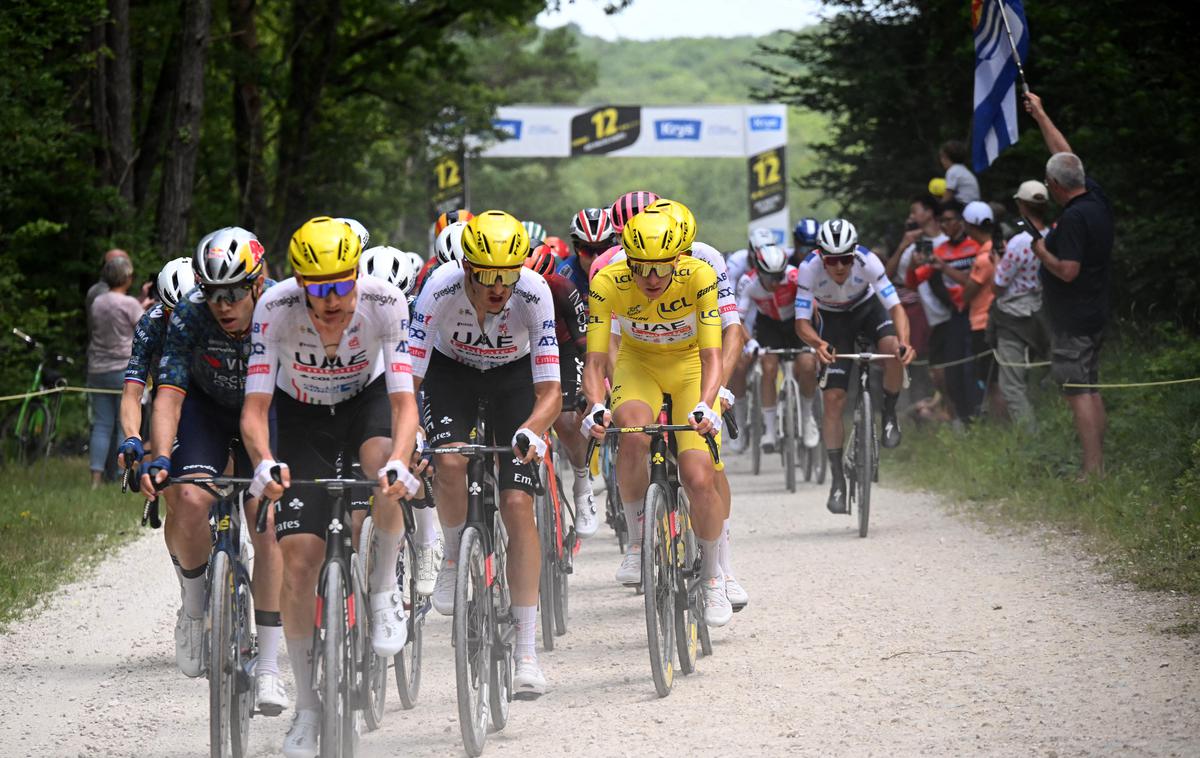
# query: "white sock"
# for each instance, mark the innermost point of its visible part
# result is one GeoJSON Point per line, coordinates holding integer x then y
{"type": "Point", "coordinates": [582, 473]}
{"type": "Point", "coordinates": [710, 563]}
{"type": "Point", "coordinates": [633, 518]}
{"type": "Point", "coordinates": [178, 574]}
{"type": "Point", "coordinates": [769, 416]}
{"type": "Point", "coordinates": [269, 638]}
{"type": "Point", "coordinates": [806, 406]}
{"type": "Point", "coordinates": [383, 571]}
{"type": "Point", "coordinates": [194, 593]}
{"type": "Point", "coordinates": [525, 617]}
{"type": "Point", "coordinates": [300, 654]}
{"type": "Point", "coordinates": [426, 526]}
{"type": "Point", "coordinates": [452, 539]}
{"type": "Point", "coordinates": [726, 552]}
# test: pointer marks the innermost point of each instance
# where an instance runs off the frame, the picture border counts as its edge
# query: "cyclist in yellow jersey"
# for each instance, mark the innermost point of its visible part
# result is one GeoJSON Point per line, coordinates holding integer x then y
{"type": "Point", "coordinates": [670, 343]}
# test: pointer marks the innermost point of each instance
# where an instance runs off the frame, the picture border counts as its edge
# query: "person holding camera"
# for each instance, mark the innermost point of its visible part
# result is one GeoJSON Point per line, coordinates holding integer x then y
{"type": "Point", "coordinates": [922, 307]}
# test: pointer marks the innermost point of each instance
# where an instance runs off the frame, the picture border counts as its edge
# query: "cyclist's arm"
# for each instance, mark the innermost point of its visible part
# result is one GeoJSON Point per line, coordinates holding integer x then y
{"type": "Point", "coordinates": [732, 340]}
{"type": "Point", "coordinates": [708, 326]}
{"type": "Point", "coordinates": [595, 362]}
{"type": "Point", "coordinates": [543, 354]}
{"type": "Point", "coordinates": [256, 429]}
{"type": "Point", "coordinates": [399, 378]}
{"type": "Point", "coordinates": [131, 409]}
{"type": "Point", "coordinates": [174, 373]}
{"type": "Point", "coordinates": [164, 423]}
{"type": "Point", "coordinates": [886, 292]}
{"type": "Point", "coordinates": [260, 381]}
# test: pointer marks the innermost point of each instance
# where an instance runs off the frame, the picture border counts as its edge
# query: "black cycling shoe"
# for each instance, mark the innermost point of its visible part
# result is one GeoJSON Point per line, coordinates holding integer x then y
{"type": "Point", "coordinates": [837, 501]}
{"type": "Point", "coordinates": [891, 431]}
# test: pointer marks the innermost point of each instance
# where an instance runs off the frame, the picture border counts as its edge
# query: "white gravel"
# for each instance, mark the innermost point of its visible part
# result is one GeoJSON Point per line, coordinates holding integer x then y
{"type": "Point", "coordinates": [934, 636]}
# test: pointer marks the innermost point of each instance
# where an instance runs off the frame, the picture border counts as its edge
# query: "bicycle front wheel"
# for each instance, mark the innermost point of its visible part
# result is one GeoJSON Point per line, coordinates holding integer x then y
{"type": "Point", "coordinates": [472, 641]}
{"type": "Point", "coordinates": [408, 661]}
{"type": "Point", "coordinates": [756, 424]}
{"type": "Point", "coordinates": [686, 568]}
{"type": "Point", "coordinates": [337, 717]}
{"type": "Point", "coordinates": [374, 667]}
{"type": "Point", "coordinates": [658, 583]}
{"type": "Point", "coordinates": [228, 684]}
{"type": "Point", "coordinates": [789, 408]}
{"type": "Point", "coordinates": [544, 510]}
{"type": "Point", "coordinates": [864, 470]}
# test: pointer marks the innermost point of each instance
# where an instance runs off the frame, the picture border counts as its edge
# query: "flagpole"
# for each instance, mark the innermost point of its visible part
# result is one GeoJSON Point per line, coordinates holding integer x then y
{"type": "Point", "coordinates": [1012, 43]}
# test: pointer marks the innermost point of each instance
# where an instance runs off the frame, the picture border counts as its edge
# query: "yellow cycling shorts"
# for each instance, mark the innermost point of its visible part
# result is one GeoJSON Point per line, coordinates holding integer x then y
{"type": "Point", "coordinates": [647, 378]}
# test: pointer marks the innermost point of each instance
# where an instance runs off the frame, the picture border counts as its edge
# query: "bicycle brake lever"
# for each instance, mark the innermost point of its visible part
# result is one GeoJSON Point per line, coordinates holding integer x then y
{"type": "Point", "coordinates": [260, 523]}
{"type": "Point", "coordinates": [730, 424]}
{"type": "Point", "coordinates": [150, 513]}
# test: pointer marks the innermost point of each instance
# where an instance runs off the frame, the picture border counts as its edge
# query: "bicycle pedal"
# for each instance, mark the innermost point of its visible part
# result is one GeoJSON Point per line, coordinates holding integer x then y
{"type": "Point", "coordinates": [738, 606]}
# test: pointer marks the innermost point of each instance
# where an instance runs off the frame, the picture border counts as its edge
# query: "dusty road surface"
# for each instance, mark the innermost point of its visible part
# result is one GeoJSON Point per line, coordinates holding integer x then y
{"type": "Point", "coordinates": [931, 637]}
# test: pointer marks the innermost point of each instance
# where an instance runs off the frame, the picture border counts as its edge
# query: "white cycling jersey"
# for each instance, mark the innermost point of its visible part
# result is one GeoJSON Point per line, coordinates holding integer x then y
{"type": "Point", "coordinates": [726, 301]}
{"type": "Point", "coordinates": [738, 264]}
{"type": "Point", "coordinates": [445, 320]}
{"type": "Point", "coordinates": [286, 351]}
{"type": "Point", "coordinates": [778, 304]}
{"type": "Point", "coordinates": [816, 288]}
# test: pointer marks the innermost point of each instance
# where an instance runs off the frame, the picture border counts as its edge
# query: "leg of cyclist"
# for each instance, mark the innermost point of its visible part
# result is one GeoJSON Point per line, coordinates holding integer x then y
{"type": "Point", "coordinates": [736, 592]}
{"type": "Point", "coordinates": [389, 627]}
{"type": "Point", "coordinates": [805, 371]}
{"type": "Point", "coordinates": [189, 509]}
{"type": "Point", "coordinates": [524, 570]}
{"type": "Point", "coordinates": [835, 401]}
{"type": "Point", "coordinates": [302, 555]}
{"type": "Point", "coordinates": [567, 427]}
{"type": "Point", "coordinates": [770, 372]}
{"type": "Point", "coordinates": [450, 493]}
{"type": "Point", "coordinates": [709, 512]}
{"type": "Point", "coordinates": [893, 382]}
{"type": "Point", "coordinates": [633, 477]}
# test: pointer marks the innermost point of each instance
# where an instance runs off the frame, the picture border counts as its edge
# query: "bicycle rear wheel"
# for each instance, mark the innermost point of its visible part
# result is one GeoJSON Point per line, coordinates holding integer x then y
{"type": "Point", "coordinates": [503, 631]}
{"type": "Point", "coordinates": [686, 557]}
{"type": "Point", "coordinates": [472, 641]}
{"type": "Point", "coordinates": [658, 582]}
{"type": "Point", "coordinates": [337, 716]}
{"type": "Point", "coordinates": [788, 409]}
{"type": "Point", "coordinates": [228, 684]}
{"type": "Point", "coordinates": [373, 667]}
{"type": "Point", "coordinates": [864, 463]}
{"type": "Point", "coordinates": [544, 510]}
{"type": "Point", "coordinates": [408, 661]}
{"type": "Point", "coordinates": [756, 422]}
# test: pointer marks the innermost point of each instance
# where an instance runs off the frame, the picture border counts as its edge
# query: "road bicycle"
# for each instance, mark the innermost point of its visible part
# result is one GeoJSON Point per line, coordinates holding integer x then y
{"type": "Point", "coordinates": [28, 429]}
{"type": "Point", "coordinates": [614, 511]}
{"type": "Point", "coordinates": [861, 457]}
{"type": "Point", "coordinates": [754, 412]}
{"type": "Point", "coordinates": [791, 443]}
{"type": "Point", "coordinates": [671, 578]}
{"type": "Point", "coordinates": [559, 544]}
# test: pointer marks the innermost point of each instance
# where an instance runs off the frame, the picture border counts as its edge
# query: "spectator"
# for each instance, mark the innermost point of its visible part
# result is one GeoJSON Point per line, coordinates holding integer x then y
{"type": "Point", "coordinates": [950, 341]}
{"type": "Point", "coordinates": [1075, 258]}
{"type": "Point", "coordinates": [99, 287]}
{"type": "Point", "coordinates": [1016, 324]}
{"type": "Point", "coordinates": [113, 314]}
{"type": "Point", "coordinates": [978, 294]}
{"type": "Point", "coordinates": [961, 184]}
{"type": "Point", "coordinates": [920, 305]}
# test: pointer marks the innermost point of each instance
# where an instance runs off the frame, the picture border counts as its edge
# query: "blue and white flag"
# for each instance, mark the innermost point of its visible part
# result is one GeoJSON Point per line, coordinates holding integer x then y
{"type": "Point", "coordinates": [995, 123]}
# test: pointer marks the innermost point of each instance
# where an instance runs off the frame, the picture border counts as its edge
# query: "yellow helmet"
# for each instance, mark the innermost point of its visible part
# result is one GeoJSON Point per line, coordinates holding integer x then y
{"type": "Point", "coordinates": [653, 235]}
{"type": "Point", "coordinates": [683, 216]}
{"type": "Point", "coordinates": [937, 186]}
{"type": "Point", "coordinates": [495, 239]}
{"type": "Point", "coordinates": [324, 246]}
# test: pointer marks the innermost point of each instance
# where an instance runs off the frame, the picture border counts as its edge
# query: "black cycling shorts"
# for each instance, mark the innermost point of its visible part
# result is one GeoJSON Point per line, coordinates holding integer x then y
{"type": "Point", "coordinates": [322, 441]}
{"type": "Point", "coordinates": [207, 436]}
{"type": "Point", "coordinates": [841, 329]}
{"type": "Point", "coordinates": [452, 394]}
{"type": "Point", "coordinates": [776, 335]}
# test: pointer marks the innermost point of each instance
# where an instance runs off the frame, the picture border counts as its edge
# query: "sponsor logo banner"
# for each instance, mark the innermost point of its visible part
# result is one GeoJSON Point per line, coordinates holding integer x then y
{"type": "Point", "coordinates": [768, 182]}
{"type": "Point", "coordinates": [677, 129]}
{"type": "Point", "coordinates": [603, 130]}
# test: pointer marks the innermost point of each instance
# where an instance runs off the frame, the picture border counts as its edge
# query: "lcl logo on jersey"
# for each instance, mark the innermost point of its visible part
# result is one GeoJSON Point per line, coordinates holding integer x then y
{"type": "Point", "coordinates": [675, 305]}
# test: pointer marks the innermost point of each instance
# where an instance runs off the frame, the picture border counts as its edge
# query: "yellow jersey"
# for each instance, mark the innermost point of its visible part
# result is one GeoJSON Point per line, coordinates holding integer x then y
{"type": "Point", "coordinates": [684, 319]}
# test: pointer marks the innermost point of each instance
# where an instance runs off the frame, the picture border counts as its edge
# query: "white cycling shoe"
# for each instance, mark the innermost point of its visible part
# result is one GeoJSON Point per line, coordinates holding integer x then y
{"type": "Point", "coordinates": [768, 442]}
{"type": "Point", "coordinates": [812, 433]}
{"type": "Point", "coordinates": [586, 521]}
{"type": "Point", "coordinates": [189, 644]}
{"type": "Point", "coordinates": [717, 609]}
{"type": "Point", "coordinates": [630, 571]}
{"type": "Point", "coordinates": [270, 698]}
{"type": "Point", "coordinates": [528, 681]}
{"type": "Point", "coordinates": [443, 588]}
{"type": "Point", "coordinates": [389, 624]}
{"type": "Point", "coordinates": [738, 597]}
{"type": "Point", "coordinates": [429, 561]}
{"type": "Point", "coordinates": [302, 740]}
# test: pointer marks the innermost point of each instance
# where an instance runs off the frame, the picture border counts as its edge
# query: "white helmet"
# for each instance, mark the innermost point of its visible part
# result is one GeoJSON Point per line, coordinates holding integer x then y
{"type": "Point", "coordinates": [837, 237]}
{"type": "Point", "coordinates": [765, 254]}
{"type": "Point", "coordinates": [389, 264]}
{"type": "Point", "coordinates": [448, 246]}
{"type": "Point", "coordinates": [203, 242]}
{"type": "Point", "coordinates": [175, 280]}
{"type": "Point", "coordinates": [229, 256]}
{"type": "Point", "coordinates": [418, 263]}
{"type": "Point", "coordinates": [358, 229]}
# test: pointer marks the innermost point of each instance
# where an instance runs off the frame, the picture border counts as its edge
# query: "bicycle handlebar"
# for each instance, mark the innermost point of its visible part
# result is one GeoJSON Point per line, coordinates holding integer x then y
{"type": "Point", "coordinates": [651, 430]}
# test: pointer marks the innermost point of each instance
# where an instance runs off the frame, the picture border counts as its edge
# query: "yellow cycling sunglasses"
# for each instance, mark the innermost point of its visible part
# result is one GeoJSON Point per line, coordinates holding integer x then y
{"type": "Point", "coordinates": [661, 269]}
{"type": "Point", "coordinates": [489, 276]}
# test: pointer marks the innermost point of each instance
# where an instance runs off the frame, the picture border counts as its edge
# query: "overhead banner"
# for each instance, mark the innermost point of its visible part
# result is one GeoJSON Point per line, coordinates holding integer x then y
{"type": "Point", "coordinates": [448, 183]}
{"type": "Point", "coordinates": [755, 132]}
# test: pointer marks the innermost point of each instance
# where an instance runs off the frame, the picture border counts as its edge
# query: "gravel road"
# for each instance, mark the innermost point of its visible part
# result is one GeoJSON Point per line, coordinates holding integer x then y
{"type": "Point", "coordinates": [934, 636]}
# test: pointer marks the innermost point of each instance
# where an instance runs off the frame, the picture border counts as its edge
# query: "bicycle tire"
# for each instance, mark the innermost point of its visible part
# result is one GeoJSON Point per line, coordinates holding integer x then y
{"type": "Point", "coordinates": [373, 667]}
{"type": "Point", "coordinates": [864, 464]}
{"type": "Point", "coordinates": [756, 422]}
{"type": "Point", "coordinates": [226, 730]}
{"type": "Point", "coordinates": [408, 661]}
{"type": "Point", "coordinates": [686, 558]}
{"type": "Point", "coordinates": [788, 410]}
{"type": "Point", "coordinates": [472, 641]}
{"type": "Point", "coordinates": [39, 428]}
{"type": "Point", "coordinates": [500, 689]}
{"type": "Point", "coordinates": [543, 508]}
{"type": "Point", "coordinates": [562, 577]}
{"type": "Point", "coordinates": [658, 581]}
{"type": "Point", "coordinates": [336, 712]}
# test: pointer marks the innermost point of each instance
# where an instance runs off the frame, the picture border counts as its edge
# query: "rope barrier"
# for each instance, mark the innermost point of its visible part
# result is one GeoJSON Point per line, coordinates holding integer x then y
{"type": "Point", "coordinates": [1124, 385]}
{"type": "Point", "coordinates": [56, 390]}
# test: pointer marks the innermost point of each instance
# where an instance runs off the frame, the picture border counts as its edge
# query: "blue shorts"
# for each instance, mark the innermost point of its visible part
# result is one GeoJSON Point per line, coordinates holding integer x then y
{"type": "Point", "coordinates": [208, 435]}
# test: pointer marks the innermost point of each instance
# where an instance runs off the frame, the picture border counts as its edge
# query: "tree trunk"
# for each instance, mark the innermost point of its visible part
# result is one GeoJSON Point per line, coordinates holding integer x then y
{"type": "Point", "coordinates": [179, 170]}
{"type": "Point", "coordinates": [313, 41]}
{"type": "Point", "coordinates": [120, 101]}
{"type": "Point", "coordinates": [99, 99]}
{"type": "Point", "coordinates": [248, 118]}
{"type": "Point", "coordinates": [154, 131]}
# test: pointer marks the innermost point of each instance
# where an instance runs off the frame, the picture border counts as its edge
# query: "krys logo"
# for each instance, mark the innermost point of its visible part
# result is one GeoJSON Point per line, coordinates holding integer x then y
{"type": "Point", "coordinates": [766, 123]}
{"type": "Point", "coordinates": [509, 126]}
{"type": "Point", "coordinates": [677, 129]}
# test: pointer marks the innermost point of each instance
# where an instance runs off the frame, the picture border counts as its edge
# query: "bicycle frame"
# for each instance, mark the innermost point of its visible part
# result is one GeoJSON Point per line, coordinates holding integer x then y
{"type": "Point", "coordinates": [36, 385]}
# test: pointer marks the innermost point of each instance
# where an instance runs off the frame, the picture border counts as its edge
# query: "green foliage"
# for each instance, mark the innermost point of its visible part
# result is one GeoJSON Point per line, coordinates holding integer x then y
{"type": "Point", "coordinates": [1143, 518]}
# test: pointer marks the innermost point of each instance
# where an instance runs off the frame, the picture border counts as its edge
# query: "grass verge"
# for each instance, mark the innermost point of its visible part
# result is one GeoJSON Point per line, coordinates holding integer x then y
{"type": "Point", "coordinates": [53, 527]}
{"type": "Point", "coordinates": [1143, 518]}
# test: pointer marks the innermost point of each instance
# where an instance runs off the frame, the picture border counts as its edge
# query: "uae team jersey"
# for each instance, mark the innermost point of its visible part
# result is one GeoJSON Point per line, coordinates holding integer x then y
{"type": "Point", "coordinates": [683, 319]}
{"type": "Point", "coordinates": [444, 319]}
{"type": "Point", "coordinates": [815, 288]}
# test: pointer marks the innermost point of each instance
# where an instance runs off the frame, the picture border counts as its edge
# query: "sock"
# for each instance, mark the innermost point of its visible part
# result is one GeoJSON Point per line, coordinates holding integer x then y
{"type": "Point", "coordinates": [835, 467]}
{"type": "Point", "coordinates": [633, 518]}
{"type": "Point", "coordinates": [193, 590]}
{"type": "Point", "coordinates": [525, 617]}
{"type": "Point", "coordinates": [582, 473]}
{"type": "Point", "coordinates": [769, 416]}
{"type": "Point", "coordinates": [889, 402]}
{"type": "Point", "coordinates": [426, 526]}
{"type": "Point", "coordinates": [710, 563]}
{"type": "Point", "coordinates": [300, 654]}
{"type": "Point", "coordinates": [725, 551]}
{"type": "Point", "coordinates": [383, 570]}
{"type": "Point", "coordinates": [270, 634]}
{"type": "Point", "coordinates": [741, 412]}
{"type": "Point", "coordinates": [806, 406]}
{"type": "Point", "coordinates": [452, 538]}
{"type": "Point", "coordinates": [178, 573]}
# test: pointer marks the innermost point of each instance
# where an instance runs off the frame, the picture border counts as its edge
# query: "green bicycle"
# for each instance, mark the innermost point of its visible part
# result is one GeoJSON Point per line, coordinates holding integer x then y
{"type": "Point", "coordinates": [28, 430]}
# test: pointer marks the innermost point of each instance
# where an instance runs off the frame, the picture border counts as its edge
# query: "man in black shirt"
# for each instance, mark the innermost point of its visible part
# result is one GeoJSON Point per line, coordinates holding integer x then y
{"type": "Point", "coordinates": [1076, 267]}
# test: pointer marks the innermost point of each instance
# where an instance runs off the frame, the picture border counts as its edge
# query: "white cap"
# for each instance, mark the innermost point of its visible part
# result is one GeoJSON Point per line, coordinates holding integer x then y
{"type": "Point", "coordinates": [1032, 191]}
{"type": "Point", "coordinates": [978, 213]}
